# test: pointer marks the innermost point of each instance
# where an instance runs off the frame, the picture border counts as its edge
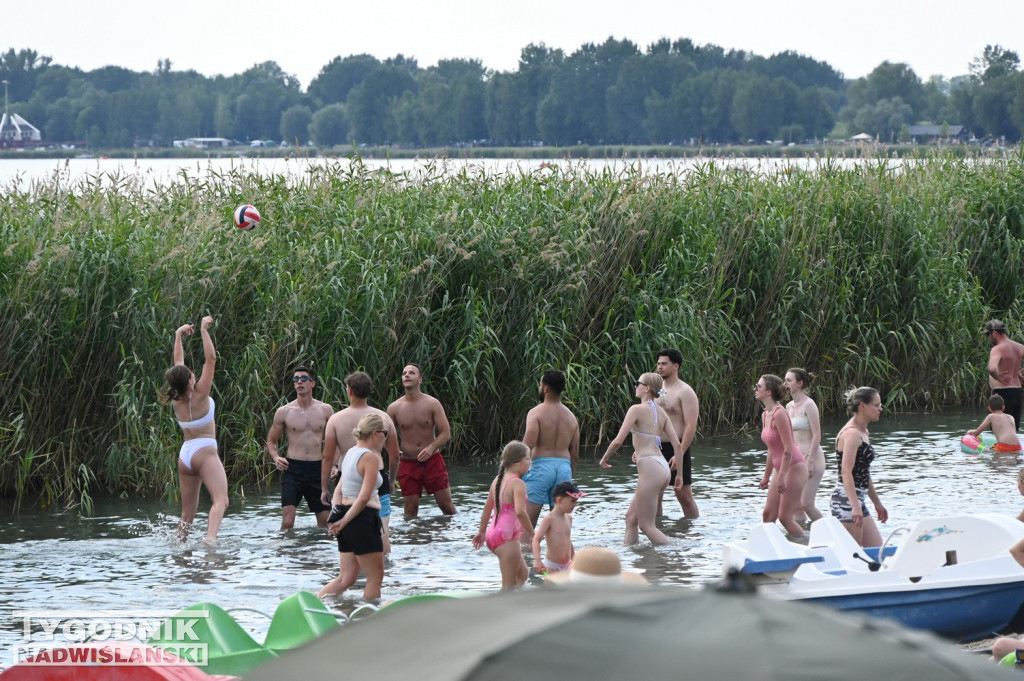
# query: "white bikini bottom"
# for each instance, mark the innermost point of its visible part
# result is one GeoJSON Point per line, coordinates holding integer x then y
{"type": "Point", "coordinates": [190, 447]}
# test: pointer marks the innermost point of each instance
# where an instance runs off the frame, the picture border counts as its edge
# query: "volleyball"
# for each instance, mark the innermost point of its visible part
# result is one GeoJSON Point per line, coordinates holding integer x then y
{"type": "Point", "coordinates": [246, 217]}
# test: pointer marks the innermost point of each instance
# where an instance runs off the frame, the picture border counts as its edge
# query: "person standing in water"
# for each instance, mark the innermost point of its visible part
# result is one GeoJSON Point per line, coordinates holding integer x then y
{"type": "Point", "coordinates": [198, 462]}
{"type": "Point", "coordinates": [803, 414]}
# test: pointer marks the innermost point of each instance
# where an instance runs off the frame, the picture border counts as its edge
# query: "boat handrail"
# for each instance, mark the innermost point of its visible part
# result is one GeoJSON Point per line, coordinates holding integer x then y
{"type": "Point", "coordinates": [881, 551]}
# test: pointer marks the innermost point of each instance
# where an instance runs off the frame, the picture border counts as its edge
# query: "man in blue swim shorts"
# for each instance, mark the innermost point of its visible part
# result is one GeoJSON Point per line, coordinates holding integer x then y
{"type": "Point", "coordinates": [553, 436]}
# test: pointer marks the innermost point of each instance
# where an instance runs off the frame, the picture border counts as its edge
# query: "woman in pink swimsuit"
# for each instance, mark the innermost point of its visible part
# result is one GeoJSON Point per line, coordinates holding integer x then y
{"type": "Point", "coordinates": [785, 490]}
{"type": "Point", "coordinates": [506, 511]}
{"type": "Point", "coordinates": [198, 462]}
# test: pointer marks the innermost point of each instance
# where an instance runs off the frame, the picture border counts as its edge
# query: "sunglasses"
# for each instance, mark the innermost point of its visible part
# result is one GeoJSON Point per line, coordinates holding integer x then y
{"type": "Point", "coordinates": [301, 379]}
{"type": "Point", "coordinates": [384, 431]}
{"type": "Point", "coordinates": [641, 383]}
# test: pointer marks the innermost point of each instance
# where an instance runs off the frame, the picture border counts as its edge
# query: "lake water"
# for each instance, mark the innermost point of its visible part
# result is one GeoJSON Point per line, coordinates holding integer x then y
{"type": "Point", "coordinates": [23, 171]}
{"type": "Point", "coordinates": [126, 558]}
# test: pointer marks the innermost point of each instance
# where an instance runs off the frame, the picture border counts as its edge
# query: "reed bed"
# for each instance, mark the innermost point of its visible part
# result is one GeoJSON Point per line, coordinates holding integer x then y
{"type": "Point", "coordinates": [880, 275]}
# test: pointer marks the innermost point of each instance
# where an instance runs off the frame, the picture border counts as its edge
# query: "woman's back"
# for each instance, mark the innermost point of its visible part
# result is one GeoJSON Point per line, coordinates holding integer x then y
{"type": "Point", "coordinates": [648, 428]}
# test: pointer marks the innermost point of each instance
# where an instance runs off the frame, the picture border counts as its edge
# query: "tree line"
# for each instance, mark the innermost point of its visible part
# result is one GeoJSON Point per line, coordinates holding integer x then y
{"type": "Point", "coordinates": [672, 92]}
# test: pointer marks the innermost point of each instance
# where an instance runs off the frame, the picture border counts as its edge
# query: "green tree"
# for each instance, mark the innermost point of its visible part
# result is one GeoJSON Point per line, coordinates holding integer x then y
{"type": "Point", "coordinates": [884, 118]}
{"type": "Point", "coordinates": [295, 123]}
{"type": "Point", "coordinates": [330, 126]}
{"type": "Point", "coordinates": [336, 80]}
{"type": "Point", "coordinates": [992, 106]}
{"type": "Point", "coordinates": [368, 103]}
{"type": "Point", "coordinates": [993, 63]}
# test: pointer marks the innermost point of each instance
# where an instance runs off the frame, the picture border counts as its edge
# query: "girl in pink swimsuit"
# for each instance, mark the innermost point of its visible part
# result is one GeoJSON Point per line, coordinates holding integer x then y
{"type": "Point", "coordinates": [785, 490]}
{"type": "Point", "coordinates": [510, 521]}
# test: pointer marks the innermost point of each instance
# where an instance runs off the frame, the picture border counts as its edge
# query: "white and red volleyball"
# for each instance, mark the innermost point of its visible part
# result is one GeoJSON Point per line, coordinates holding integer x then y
{"type": "Point", "coordinates": [246, 216]}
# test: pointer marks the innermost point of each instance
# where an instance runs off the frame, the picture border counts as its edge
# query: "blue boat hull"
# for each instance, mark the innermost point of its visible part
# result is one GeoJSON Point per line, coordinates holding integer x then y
{"type": "Point", "coordinates": [966, 613]}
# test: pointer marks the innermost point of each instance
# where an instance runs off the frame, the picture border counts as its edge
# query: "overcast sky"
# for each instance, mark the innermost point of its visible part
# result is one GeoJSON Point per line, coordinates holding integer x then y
{"type": "Point", "coordinates": [228, 36]}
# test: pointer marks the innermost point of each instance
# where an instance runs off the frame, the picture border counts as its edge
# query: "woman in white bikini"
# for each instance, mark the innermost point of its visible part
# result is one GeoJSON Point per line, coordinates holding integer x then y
{"type": "Point", "coordinates": [803, 414]}
{"type": "Point", "coordinates": [198, 462]}
{"type": "Point", "coordinates": [649, 425]}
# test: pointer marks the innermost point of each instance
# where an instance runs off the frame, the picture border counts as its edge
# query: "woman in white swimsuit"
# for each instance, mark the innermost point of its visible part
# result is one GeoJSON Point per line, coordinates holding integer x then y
{"type": "Point", "coordinates": [803, 413]}
{"type": "Point", "coordinates": [198, 462]}
{"type": "Point", "coordinates": [649, 425]}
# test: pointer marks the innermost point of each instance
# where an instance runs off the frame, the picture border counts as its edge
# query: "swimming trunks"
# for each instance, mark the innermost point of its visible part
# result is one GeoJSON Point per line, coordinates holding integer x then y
{"type": "Point", "coordinates": [668, 452]}
{"type": "Point", "coordinates": [1013, 399]}
{"type": "Point", "coordinates": [770, 436]}
{"type": "Point", "coordinates": [504, 525]}
{"type": "Point", "coordinates": [552, 566]}
{"type": "Point", "coordinates": [363, 534]}
{"type": "Point", "coordinates": [301, 480]}
{"type": "Point", "coordinates": [546, 472]}
{"type": "Point", "coordinates": [415, 476]}
{"type": "Point", "coordinates": [196, 423]}
{"type": "Point", "coordinates": [1004, 448]}
{"type": "Point", "coordinates": [385, 505]}
{"type": "Point", "coordinates": [190, 447]}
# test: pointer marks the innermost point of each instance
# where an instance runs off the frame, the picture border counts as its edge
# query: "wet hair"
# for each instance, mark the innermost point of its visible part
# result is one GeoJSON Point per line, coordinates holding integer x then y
{"type": "Point", "coordinates": [360, 383]}
{"type": "Point", "coordinates": [312, 374]}
{"type": "Point", "coordinates": [673, 355]}
{"type": "Point", "coordinates": [555, 380]}
{"type": "Point", "coordinates": [367, 426]}
{"type": "Point", "coordinates": [514, 452]}
{"type": "Point", "coordinates": [652, 381]}
{"type": "Point", "coordinates": [177, 378]}
{"type": "Point", "coordinates": [996, 401]}
{"type": "Point", "coordinates": [776, 386]}
{"type": "Point", "coordinates": [801, 375]}
{"type": "Point", "coordinates": [857, 396]}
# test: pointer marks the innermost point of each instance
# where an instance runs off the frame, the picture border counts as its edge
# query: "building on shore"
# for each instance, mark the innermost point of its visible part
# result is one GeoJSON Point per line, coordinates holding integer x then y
{"type": "Point", "coordinates": [15, 131]}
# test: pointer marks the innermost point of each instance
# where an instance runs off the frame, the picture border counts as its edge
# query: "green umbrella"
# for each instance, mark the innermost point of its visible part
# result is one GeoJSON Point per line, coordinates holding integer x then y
{"type": "Point", "coordinates": [624, 633]}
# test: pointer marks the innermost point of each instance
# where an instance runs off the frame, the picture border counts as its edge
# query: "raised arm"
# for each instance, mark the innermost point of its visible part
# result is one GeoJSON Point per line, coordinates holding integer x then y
{"type": "Point", "coordinates": [205, 381]}
{"type": "Point", "coordinates": [178, 354]}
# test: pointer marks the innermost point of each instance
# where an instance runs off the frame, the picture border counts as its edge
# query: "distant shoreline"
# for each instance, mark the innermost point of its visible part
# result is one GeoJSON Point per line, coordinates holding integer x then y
{"type": "Point", "coordinates": [536, 153]}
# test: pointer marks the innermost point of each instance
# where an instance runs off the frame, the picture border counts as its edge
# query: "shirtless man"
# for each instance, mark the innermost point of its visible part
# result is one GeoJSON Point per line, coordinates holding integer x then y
{"type": "Point", "coordinates": [339, 440]}
{"type": "Point", "coordinates": [423, 429]}
{"type": "Point", "coordinates": [553, 436]}
{"type": "Point", "coordinates": [303, 420]}
{"type": "Point", "coordinates": [1004, 368]}
{"type": "Point", "coordinates": [682, 407]}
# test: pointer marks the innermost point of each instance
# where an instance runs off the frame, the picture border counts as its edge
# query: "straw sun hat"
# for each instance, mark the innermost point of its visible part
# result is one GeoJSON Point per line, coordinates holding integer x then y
{"type": "Point", "coordinates": [594, 565]}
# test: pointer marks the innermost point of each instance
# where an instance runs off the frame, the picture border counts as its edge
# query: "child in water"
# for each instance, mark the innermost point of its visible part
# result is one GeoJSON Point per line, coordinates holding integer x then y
{"type": "Point", "coordinates": [556, 528]}
{"type": "Point", "coordinates": [510, 521]}
{"type": "Point", "coordinates": [1002, 425]}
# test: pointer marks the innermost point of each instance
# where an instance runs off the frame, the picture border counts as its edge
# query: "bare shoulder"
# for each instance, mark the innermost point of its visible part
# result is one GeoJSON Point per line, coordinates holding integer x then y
{"type": "Point", "coordinates": [325, 409]}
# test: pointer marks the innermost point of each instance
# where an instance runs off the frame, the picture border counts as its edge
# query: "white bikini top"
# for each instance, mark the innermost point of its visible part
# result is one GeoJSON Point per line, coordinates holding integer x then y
{"type": "Point", "coordinates": [200, 421]}
{"type": "Point", "coordinates": [800, 422]}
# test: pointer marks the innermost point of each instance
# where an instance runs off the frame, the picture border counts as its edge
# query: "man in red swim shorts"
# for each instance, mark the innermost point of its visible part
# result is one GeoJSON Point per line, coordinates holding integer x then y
{"type": "Point", "coordinates": [422, 430]}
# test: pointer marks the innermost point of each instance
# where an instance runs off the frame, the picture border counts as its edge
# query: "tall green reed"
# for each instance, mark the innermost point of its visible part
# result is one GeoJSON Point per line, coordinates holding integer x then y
{"type": "Point", "coordinates": [877, 274]}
